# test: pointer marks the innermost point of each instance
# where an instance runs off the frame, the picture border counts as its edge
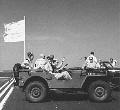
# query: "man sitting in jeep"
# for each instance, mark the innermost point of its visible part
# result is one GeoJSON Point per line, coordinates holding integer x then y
{"type": "Point", "coordinates": [56, 67]}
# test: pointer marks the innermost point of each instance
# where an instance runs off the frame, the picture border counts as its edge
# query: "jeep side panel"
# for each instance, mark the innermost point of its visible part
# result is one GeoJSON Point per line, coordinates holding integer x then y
{"type": "Point", "coordinates": [75, 82]}
{"type": "Point", "coordinates": [24, 76]}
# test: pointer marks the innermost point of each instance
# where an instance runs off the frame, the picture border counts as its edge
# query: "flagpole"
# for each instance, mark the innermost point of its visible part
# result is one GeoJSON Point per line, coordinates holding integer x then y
{"type": "Point", "coordinates": [24, 42]}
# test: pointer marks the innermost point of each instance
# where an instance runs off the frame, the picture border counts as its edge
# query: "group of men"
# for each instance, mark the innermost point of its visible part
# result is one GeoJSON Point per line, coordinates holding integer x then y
{"type": "Point", "coordinates": [92, 62]}
{"type": "Point", "coordinates": [49, 64]}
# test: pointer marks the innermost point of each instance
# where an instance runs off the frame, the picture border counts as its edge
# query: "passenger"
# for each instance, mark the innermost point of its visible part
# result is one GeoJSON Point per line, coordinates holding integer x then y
{"type": "Point", "coordinates": [28, 62]}
{"type": "Point", "coordinates": [85, 63]}
{"type": "Point", "coordinates": [50, 60]}
{"type": "Point", "coordinates": [41, 62]}
{"type": "Point", "coordinates": [113, 62]}
{"type": "Point", "coordinates": [56, 65]}
{"type": "Point", "coordinates": [91, 61]}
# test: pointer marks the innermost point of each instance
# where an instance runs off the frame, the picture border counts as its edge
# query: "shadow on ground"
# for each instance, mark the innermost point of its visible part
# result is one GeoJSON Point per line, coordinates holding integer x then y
{"type": "Point", "coordinates": [67, 97]}
{"type": "Point", "coordinates": [54, 96]}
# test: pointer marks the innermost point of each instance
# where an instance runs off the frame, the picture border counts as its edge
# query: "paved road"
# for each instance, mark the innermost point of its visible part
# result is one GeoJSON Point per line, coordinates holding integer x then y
{"type": "Point", "coordinates": [17, 101]}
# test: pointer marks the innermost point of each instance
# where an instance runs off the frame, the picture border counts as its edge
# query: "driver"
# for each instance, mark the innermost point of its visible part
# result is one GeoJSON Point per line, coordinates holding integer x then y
{"type": "Point", "coordinates": [54, 62]}
{"type": "Point", "coordinates": [56, 67]}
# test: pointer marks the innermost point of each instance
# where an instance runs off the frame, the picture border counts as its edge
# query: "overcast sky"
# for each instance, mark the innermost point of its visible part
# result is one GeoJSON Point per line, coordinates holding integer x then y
{"type": "Point", "coordinates": [65, 28]}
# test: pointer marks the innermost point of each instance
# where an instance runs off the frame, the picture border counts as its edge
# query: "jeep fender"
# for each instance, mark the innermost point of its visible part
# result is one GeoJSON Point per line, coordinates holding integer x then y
{"type": "Point", "coordinates": [89, 79]}
{"type": "Point", "coordinates": [34, 78]}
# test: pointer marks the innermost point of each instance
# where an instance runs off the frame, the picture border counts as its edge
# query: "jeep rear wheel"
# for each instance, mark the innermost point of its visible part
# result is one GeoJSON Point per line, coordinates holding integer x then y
{"type": "Point", "coordinates": [99, 91]}
{"type": "Point", "coordinates": [36, 91]}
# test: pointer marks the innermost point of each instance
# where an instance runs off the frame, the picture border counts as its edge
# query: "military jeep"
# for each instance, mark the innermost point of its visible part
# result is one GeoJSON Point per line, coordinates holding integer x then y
{"type": "Point", "coordinates": [97, 83]}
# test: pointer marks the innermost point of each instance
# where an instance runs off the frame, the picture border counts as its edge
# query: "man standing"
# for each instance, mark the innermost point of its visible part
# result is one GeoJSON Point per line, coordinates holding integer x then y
{"type": "Point", "coordinates": [91, 61]}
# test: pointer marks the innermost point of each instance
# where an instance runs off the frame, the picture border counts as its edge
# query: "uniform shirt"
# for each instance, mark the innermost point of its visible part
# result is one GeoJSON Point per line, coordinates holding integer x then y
{"type": "Point", "coordinates": [91, 61]}
{"type": "Point", "coordinates": [40, 63]}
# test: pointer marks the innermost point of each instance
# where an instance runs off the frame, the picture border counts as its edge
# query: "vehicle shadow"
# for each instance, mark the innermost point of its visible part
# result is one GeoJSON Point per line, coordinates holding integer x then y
{"type": "Point", "coordinates": [70, 97]}
{"type": "Point", "coordinates": [53, 96]}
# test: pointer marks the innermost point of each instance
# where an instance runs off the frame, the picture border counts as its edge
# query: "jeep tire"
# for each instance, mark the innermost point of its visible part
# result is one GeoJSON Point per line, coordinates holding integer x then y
{"type": "Point", "coordinates": [36, 91]}
{"type": "Point", "coordinates": [99, 91]}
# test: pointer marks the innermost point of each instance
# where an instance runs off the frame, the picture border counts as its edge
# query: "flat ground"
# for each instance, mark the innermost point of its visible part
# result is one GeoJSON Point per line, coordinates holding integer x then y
{"type": "Point", "coordinates": [57, 101]}
{"type": "Point", "coordinates": [61, 102]}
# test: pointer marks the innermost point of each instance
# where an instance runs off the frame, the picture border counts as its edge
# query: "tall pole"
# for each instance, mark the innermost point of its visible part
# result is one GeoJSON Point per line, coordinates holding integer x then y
{"type": "Point", "coordinates": [24, 40]}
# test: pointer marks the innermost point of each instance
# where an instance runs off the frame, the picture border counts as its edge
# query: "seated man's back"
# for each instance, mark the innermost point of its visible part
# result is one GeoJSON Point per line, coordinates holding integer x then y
{"type": "Point", "coordinates": [40, 63]}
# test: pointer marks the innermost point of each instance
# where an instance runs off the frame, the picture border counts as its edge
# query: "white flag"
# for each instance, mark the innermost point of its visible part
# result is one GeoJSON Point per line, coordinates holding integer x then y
{"type": "Point", "coordinates": [14, 32]}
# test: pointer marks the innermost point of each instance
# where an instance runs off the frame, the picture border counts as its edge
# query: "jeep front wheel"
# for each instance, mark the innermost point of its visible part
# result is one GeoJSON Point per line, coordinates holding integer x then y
{"type": "Point", "coordinates": [36, 91]}
{"type": "Point", "coordinates": [99, 91]}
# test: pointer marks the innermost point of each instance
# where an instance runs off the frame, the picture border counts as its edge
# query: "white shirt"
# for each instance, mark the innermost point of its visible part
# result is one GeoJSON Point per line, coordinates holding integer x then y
{"type": "Point", "coordinates": [48, 67]}
{"type": "Point", "coordinates": [40, 63]}
{"type": "Point", "coordinates": [91, 61]}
